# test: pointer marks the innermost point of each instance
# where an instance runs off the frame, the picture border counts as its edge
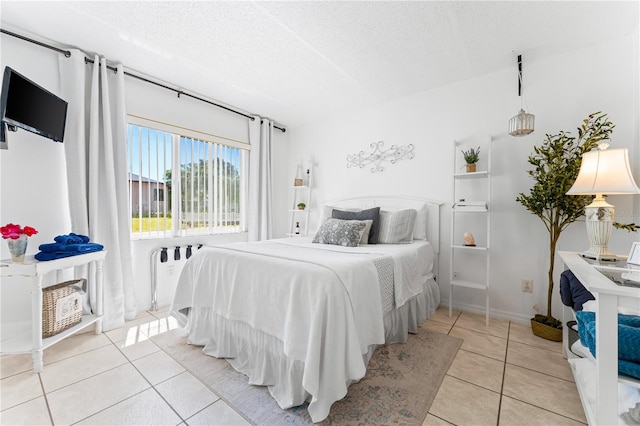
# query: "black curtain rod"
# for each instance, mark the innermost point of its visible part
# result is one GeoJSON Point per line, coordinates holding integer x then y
{"type": "Point", "coordinates": [67, 54]}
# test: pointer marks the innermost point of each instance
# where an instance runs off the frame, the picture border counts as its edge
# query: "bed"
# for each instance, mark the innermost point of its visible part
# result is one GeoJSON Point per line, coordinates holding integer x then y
{"type": "Point", "coordinates": [302, 317]}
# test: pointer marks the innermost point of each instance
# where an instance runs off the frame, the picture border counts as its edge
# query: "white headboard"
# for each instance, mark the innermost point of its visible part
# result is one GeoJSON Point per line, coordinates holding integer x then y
{"type": "Point", "coordinates": [398, 202]}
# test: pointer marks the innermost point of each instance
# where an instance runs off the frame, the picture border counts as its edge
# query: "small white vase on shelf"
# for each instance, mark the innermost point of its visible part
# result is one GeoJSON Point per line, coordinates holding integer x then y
{"type": "Point", "coordinates": [18, 248]}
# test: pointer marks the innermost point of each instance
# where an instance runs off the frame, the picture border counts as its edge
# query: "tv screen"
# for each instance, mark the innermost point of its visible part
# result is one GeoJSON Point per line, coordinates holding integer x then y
{"type": "Point", "coordinates": [31, 107]}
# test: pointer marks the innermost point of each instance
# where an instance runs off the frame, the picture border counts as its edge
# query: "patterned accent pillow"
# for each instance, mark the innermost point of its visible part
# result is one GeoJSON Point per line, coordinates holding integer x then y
{"type": "Point", "coordinates": [369, 214]}
{"type": "Point", "coordinates": [338, 232]}
{"type": "Point", "coordinates": [397, 227]}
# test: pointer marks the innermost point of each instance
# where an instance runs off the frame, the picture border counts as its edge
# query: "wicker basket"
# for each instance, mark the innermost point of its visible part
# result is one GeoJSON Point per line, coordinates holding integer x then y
{"type": "Point", "coordinates": [546, 331]}
{"type": "Point", "coordinates": [61, 307]}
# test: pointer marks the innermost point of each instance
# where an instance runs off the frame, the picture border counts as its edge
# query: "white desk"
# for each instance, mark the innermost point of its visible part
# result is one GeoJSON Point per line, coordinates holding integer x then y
{"type": "Point", "coordinates": [21, 316]}
{"type": "Point", "coordinates": [604, 410]}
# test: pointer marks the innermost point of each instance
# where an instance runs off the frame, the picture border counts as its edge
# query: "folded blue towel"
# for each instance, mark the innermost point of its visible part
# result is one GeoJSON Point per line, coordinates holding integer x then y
{"type": "Point", "coordinates": [55, 247]}
{"type": "Point", "coordinates": [60, 254]}
{"type": "Point", "coordinates": [628, 340]}
{"type": "Point", "coordinates": [72, 239]}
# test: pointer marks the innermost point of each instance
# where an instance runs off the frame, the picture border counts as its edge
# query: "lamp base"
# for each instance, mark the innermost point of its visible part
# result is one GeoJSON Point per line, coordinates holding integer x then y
{"type": "Point", "coordinates": [609, 257]}
{"type": "Point", "coordinates": [599, 215]}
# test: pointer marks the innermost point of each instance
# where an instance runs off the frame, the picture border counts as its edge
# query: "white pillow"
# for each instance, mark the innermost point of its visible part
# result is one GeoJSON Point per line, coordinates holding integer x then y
{"type": "Point", "coordinates": [420, 228]}
{"type": "Point", "coordinates": [327, 210]}
{"type": "Point", "coordinates": [397, 227]}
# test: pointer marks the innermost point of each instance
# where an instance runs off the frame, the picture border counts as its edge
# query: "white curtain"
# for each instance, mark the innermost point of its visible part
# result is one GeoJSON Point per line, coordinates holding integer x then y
{"type": "Point", "coordinates": [259, 220]}
{"type": "Point", "coordinates": [95, 151]}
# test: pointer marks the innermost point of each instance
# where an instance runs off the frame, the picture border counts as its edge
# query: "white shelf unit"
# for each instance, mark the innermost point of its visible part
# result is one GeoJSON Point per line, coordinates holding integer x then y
{"type": "Point", "coordinates": [300, 193]}
{"type": "Point", "coordinates": [466, 185]}
{"type": "Point", "coordinates": [604, 409]}
{"type": "Point", "coordinates": [21, 286]}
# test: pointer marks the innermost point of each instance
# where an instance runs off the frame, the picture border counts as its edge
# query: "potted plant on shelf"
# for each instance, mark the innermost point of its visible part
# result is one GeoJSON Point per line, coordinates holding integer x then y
{"type": "Point", "coordinates": [471, 157]}
{"type": "Point", "coordinates": [556, 164]}
{"type": "Point", "coordinates": [301, 206]}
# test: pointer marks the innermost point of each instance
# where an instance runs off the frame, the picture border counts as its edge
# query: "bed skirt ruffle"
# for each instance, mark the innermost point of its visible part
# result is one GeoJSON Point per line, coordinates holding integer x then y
{"type": "Point", "coordinates": [261, 356]}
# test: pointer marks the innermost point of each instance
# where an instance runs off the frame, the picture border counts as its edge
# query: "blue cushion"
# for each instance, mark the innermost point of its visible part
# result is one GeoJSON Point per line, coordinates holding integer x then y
{"type": "Point", "coordinates": [572, 292]}
{"type": "Point", "coordinates": [628, 340]}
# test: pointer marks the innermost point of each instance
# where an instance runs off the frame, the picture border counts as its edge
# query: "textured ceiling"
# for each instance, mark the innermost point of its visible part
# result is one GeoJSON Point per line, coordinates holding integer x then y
{"type": "Point", "coordinates": [297, 61]}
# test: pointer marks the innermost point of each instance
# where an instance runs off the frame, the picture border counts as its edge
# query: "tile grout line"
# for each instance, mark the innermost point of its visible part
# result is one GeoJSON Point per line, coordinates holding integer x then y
{"type": "Point", "coordinates": [46, 400]}
{"type": "Point", "coordinates": [220, 398]}
{"type": "Point", "coordinates": [147, 380]}
{"type": "Point", "coordinates": [504, 373]}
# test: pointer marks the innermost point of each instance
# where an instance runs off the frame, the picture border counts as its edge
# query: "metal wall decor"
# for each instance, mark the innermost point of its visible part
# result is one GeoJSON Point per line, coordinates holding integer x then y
{"type": "Point", "coordinates": [378, 156]}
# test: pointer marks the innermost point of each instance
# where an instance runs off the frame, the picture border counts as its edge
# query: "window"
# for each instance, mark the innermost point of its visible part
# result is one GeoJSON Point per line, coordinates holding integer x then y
{"type": "Point", "coordinates": [158, 194]}
{"type": "Point", "coordinates": [203, 182]}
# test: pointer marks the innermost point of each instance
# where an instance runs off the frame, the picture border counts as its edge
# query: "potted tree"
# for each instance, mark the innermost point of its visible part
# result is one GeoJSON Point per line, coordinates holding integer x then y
{"type": "Point", "coordinates": [556, 164]}
{"type": "Point", "coordinates": [471, 157]}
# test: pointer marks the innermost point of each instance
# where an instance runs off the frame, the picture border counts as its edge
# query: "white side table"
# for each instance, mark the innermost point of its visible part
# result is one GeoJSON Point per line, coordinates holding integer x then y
{"type": "Point", "coordinates": [21, 298]}
{"type": "Point", "coordinates": [604, 409]}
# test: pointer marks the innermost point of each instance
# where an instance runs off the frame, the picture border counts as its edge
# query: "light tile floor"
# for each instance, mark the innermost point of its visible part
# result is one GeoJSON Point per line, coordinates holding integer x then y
{"type": "Point", "coordinates": [502, 375]}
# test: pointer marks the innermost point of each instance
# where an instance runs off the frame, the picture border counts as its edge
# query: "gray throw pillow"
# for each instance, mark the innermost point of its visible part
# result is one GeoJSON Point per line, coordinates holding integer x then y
{"type": "Point", "coordinates": [338, 232]}
{"type": "Point", "coordinates": [369, 214]}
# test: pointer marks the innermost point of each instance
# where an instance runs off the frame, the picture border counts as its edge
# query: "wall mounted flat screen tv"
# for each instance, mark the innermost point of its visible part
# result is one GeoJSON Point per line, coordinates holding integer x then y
{"type": "Point", "coordinates": [28, 106]}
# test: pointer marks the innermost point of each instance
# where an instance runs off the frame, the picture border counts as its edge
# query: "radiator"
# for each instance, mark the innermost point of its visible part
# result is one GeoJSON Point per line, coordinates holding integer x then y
{"type": "Point", "coordinates": [166, 266]}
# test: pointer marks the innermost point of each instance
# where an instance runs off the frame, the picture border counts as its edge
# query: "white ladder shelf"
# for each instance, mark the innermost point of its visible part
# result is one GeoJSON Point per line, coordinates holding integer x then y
{"type": "Point", "coordinates": [464, 186]}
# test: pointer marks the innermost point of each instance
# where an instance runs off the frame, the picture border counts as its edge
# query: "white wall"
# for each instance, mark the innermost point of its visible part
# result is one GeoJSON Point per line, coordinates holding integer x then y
{"type": "Point", "coordinates": [560, 90]}
{"type": "Point", "coordinates": [33, 178]}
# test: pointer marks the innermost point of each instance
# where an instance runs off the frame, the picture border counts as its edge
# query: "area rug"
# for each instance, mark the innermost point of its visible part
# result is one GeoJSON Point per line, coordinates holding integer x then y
{"type": "Point", "coordinates": [402, 381]}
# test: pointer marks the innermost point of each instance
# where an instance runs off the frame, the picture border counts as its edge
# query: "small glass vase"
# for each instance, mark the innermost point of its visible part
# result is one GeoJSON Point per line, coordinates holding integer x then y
{"type": "Point", "coordinates": [18, 248]}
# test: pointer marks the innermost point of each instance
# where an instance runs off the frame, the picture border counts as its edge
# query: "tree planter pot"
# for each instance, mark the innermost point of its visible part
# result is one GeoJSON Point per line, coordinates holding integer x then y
{"type": "Point", "coordinates": [546, 331]}
{"type": "Point", "coordinates": [471, 168]}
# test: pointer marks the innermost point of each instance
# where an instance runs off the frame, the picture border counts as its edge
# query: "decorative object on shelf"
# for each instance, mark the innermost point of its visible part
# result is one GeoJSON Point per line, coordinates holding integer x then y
{"type": "Point", "coordinates": [634, 254]}
{"type": "Point", "coordinates": [603, 171]}
{"type": "Point", "coordinates": [298, 182]}
{"type": "Point", "coordinates": [469, 241]}
{"type": "Point", "coordinates": [297, 228]}
{"type": "Point", "coordinates": [522, 123]}
{"type": "Point", "coordinates": [17, 240]}
{"type": "Point", "coordinates": [301, 206]}
{"type": "Point", "coordinates": [378, 156]}
{"type": "Point", "coordinates": [555, 167]}
{"type": "Point", "coordinates": [471, 157]}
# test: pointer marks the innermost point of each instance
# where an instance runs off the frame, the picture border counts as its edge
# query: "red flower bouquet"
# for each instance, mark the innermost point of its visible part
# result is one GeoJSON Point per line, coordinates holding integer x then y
{"type": "Point", "coordinates": [14, 231]}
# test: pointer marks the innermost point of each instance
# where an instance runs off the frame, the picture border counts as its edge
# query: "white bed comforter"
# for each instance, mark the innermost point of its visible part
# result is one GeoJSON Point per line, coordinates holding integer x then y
{"type": "Point", "coordinates": [322, 302]}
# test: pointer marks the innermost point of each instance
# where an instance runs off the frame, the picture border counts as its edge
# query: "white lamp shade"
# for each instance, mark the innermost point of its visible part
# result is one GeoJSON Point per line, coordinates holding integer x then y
{"type": "Point", "coordinates": [605, 172]}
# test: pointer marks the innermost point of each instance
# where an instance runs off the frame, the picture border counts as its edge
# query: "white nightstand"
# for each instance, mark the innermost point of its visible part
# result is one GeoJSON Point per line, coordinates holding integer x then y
{"type": "Point", "coordinates": [21, 298]}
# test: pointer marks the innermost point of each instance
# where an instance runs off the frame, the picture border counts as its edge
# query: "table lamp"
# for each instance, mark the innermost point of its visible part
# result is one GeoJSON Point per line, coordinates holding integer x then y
{"type": "Point", "coordinates": [603, 171]}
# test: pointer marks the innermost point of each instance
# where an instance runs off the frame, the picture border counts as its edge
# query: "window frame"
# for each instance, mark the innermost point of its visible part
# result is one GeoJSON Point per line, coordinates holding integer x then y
{"type": "Point", "coordinates": [177, 133]}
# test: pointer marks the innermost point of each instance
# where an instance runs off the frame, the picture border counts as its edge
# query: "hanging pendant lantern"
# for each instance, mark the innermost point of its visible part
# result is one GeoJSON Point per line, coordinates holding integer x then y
{"type": "Point", "coordinates": [522, 123]}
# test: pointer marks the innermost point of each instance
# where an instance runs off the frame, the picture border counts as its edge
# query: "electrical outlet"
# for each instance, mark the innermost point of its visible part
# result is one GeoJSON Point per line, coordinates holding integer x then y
{"type": "Point", "coordinates": [527, 286]}
{"type": "Point", "coordinates": [455, 274]}
{"type": "Point", "coordinates": [170, 270]}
